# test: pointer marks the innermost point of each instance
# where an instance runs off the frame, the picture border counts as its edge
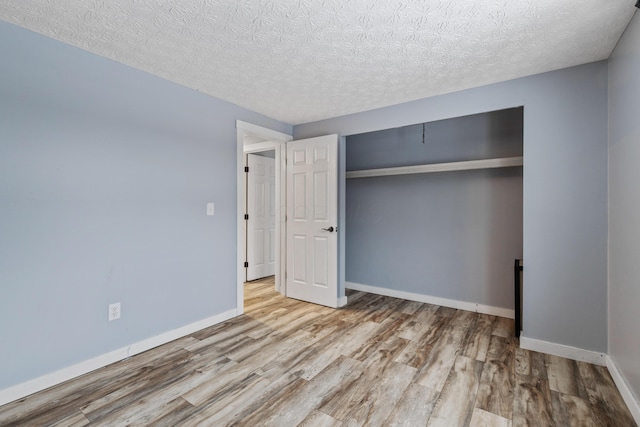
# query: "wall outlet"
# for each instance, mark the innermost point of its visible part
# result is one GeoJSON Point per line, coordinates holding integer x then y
{"type": "Point", "coordinates": [210, 209]}
{"type": "Point", "coordinates": [114, 311]}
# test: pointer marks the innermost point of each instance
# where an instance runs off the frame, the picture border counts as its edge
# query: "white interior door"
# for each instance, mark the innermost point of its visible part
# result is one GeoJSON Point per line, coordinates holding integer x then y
{"type": "Point", "coordinates": [312, 220]}
{"type": "Point", "coordinates": [261, 222]}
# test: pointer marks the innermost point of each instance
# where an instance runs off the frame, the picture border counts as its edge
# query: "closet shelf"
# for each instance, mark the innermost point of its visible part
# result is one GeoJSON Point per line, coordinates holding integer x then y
{"type": "Point", "coordinates": [503, 162]}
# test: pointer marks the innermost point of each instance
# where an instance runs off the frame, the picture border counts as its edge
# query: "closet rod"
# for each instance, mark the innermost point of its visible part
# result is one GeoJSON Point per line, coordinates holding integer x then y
{"type": "Point", "coordinates": [502, 162]}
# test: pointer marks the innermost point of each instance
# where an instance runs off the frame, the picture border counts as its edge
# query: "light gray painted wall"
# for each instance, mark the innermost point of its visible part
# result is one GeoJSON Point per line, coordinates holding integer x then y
{"type": "Point", "coordinates": [624, 205]}
{"type": "Point", "coordinates": [451, 235]}
{"type": "Point", "coordinates": [478, 136]}
{"type": "Point", "coordinates": [105, 172]}
{"type": "Point", "coordinates": [565, 190]}
{"type": "Point", "coordinates": [270, 154]}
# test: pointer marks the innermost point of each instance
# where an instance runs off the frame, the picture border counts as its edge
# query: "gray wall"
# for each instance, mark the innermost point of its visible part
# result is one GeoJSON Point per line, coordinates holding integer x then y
{"type": "Point", "coordinates": [565, 190]}
{"type": "Point", "coordinates": [105, 173]}
{"type": "Point", "coordinates": [478, 136]}
{"type": "Point", "coordinates": [624, 205]}
{"type": "Point", "coordinates": [451, 235]}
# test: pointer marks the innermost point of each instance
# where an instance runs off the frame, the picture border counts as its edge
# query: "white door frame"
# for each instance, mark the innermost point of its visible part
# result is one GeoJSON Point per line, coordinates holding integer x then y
{"type": "Point", "coordinates": [247, 134]}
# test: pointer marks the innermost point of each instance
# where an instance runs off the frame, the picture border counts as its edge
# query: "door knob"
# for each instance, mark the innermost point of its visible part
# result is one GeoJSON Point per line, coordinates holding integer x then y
{"type": "Point", "coordinates": [330, 229]}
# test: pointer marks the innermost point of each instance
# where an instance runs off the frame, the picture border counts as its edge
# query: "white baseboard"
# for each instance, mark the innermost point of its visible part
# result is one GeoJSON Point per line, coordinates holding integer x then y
{"type": "Point", "coordinates": [342, 301]}
{"type": "Point", "coordinates": [49, 380]}
{"type": "Point", "coordinates": [445, 302]}
{"type": "Point", "coordinates": [561, 350]}
{"type": "Point", "coordinates": [627, 394]}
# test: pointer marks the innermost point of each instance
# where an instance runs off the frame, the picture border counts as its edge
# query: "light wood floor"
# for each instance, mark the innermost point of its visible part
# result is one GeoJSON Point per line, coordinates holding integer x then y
{"type": "Point", "coordinates": [377, 362]}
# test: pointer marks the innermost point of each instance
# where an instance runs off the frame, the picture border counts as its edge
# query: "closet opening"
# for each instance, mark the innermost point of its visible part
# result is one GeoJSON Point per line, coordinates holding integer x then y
{"type": "Point", "coordinates": [434, 211]}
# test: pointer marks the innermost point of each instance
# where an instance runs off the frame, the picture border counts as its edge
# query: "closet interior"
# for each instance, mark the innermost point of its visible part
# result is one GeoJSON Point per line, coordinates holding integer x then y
{"type": "Point", "coordinates": [435, 209]}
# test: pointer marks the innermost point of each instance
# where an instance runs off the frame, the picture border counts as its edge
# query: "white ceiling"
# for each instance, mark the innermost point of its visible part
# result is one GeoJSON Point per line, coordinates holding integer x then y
{"type": "Point", "coordinates": [304, 60]}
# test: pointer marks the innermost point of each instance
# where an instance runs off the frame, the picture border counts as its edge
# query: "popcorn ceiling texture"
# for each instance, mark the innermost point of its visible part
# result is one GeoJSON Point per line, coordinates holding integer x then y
{"type": "Point", "coordinates": [305, 60]}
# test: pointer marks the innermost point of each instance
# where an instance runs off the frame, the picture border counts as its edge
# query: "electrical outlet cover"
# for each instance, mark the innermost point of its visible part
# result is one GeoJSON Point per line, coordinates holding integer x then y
{"type": "Point", "coordinates": [114, 311]}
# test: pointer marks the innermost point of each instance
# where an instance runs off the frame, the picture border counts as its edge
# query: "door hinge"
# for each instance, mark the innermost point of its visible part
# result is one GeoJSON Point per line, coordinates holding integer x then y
{"type": "Point", "coordinates": [246, 217]}
{"type": "Point", "coordinates": [246, 264]}
{"type": "Point", "coordinates": [246, 169]}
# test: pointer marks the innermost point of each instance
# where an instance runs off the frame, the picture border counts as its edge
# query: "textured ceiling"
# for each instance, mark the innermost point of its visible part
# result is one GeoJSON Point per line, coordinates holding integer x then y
{"type": "Point", "coordinates": [304, 60]}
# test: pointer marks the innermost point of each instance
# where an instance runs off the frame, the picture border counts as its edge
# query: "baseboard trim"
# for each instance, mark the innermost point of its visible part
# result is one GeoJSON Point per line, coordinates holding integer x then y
{"type": "Point", "coordinates": [342, 301]}
{"type": "Point", "coordinates": [445, 302]}
{"type": "Point", "coordinates": [26, 388]}
{"type": "Point", "coordinates": [562, 350]}
{"type": "Point", "coordinates": [627, 394]}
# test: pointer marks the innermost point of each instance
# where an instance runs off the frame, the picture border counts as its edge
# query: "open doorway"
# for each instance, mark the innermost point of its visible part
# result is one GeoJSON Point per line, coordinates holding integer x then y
{"type": "Point", "coordinates": [252, 139]}
{"type": "Point", "coordinates": [445, 199]}
{"type": "Point", "coordinates": [260, 215]}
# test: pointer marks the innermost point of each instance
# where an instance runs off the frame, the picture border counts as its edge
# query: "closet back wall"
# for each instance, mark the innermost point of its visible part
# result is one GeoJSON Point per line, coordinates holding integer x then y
{"type": "Point", "coordinates": [449, 235]}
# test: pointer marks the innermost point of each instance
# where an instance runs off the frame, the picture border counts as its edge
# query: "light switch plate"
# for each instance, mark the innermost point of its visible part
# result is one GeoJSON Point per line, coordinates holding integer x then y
{"type": "Point", "coordinates": [210, 209]}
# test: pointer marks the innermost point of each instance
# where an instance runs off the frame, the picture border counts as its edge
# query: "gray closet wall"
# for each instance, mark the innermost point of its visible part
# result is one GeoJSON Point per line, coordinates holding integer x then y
{"type": "Point", "coordinates": [449, 234]}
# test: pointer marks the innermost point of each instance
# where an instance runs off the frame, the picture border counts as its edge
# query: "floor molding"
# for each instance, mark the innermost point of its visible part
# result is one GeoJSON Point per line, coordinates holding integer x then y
{"type": "Point", "coordinates": [627, 394]}
{"type": "Point", "coordinates": [24, 389]}
{"type": "Point", "coordinates": [561, 350]}
{"type": "Point", "coordinates": [445, 302]}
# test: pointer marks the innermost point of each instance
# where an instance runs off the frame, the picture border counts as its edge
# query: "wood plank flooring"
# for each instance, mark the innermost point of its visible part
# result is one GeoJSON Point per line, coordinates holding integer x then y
{"type": "Point", "coordinates": [379, 361]}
